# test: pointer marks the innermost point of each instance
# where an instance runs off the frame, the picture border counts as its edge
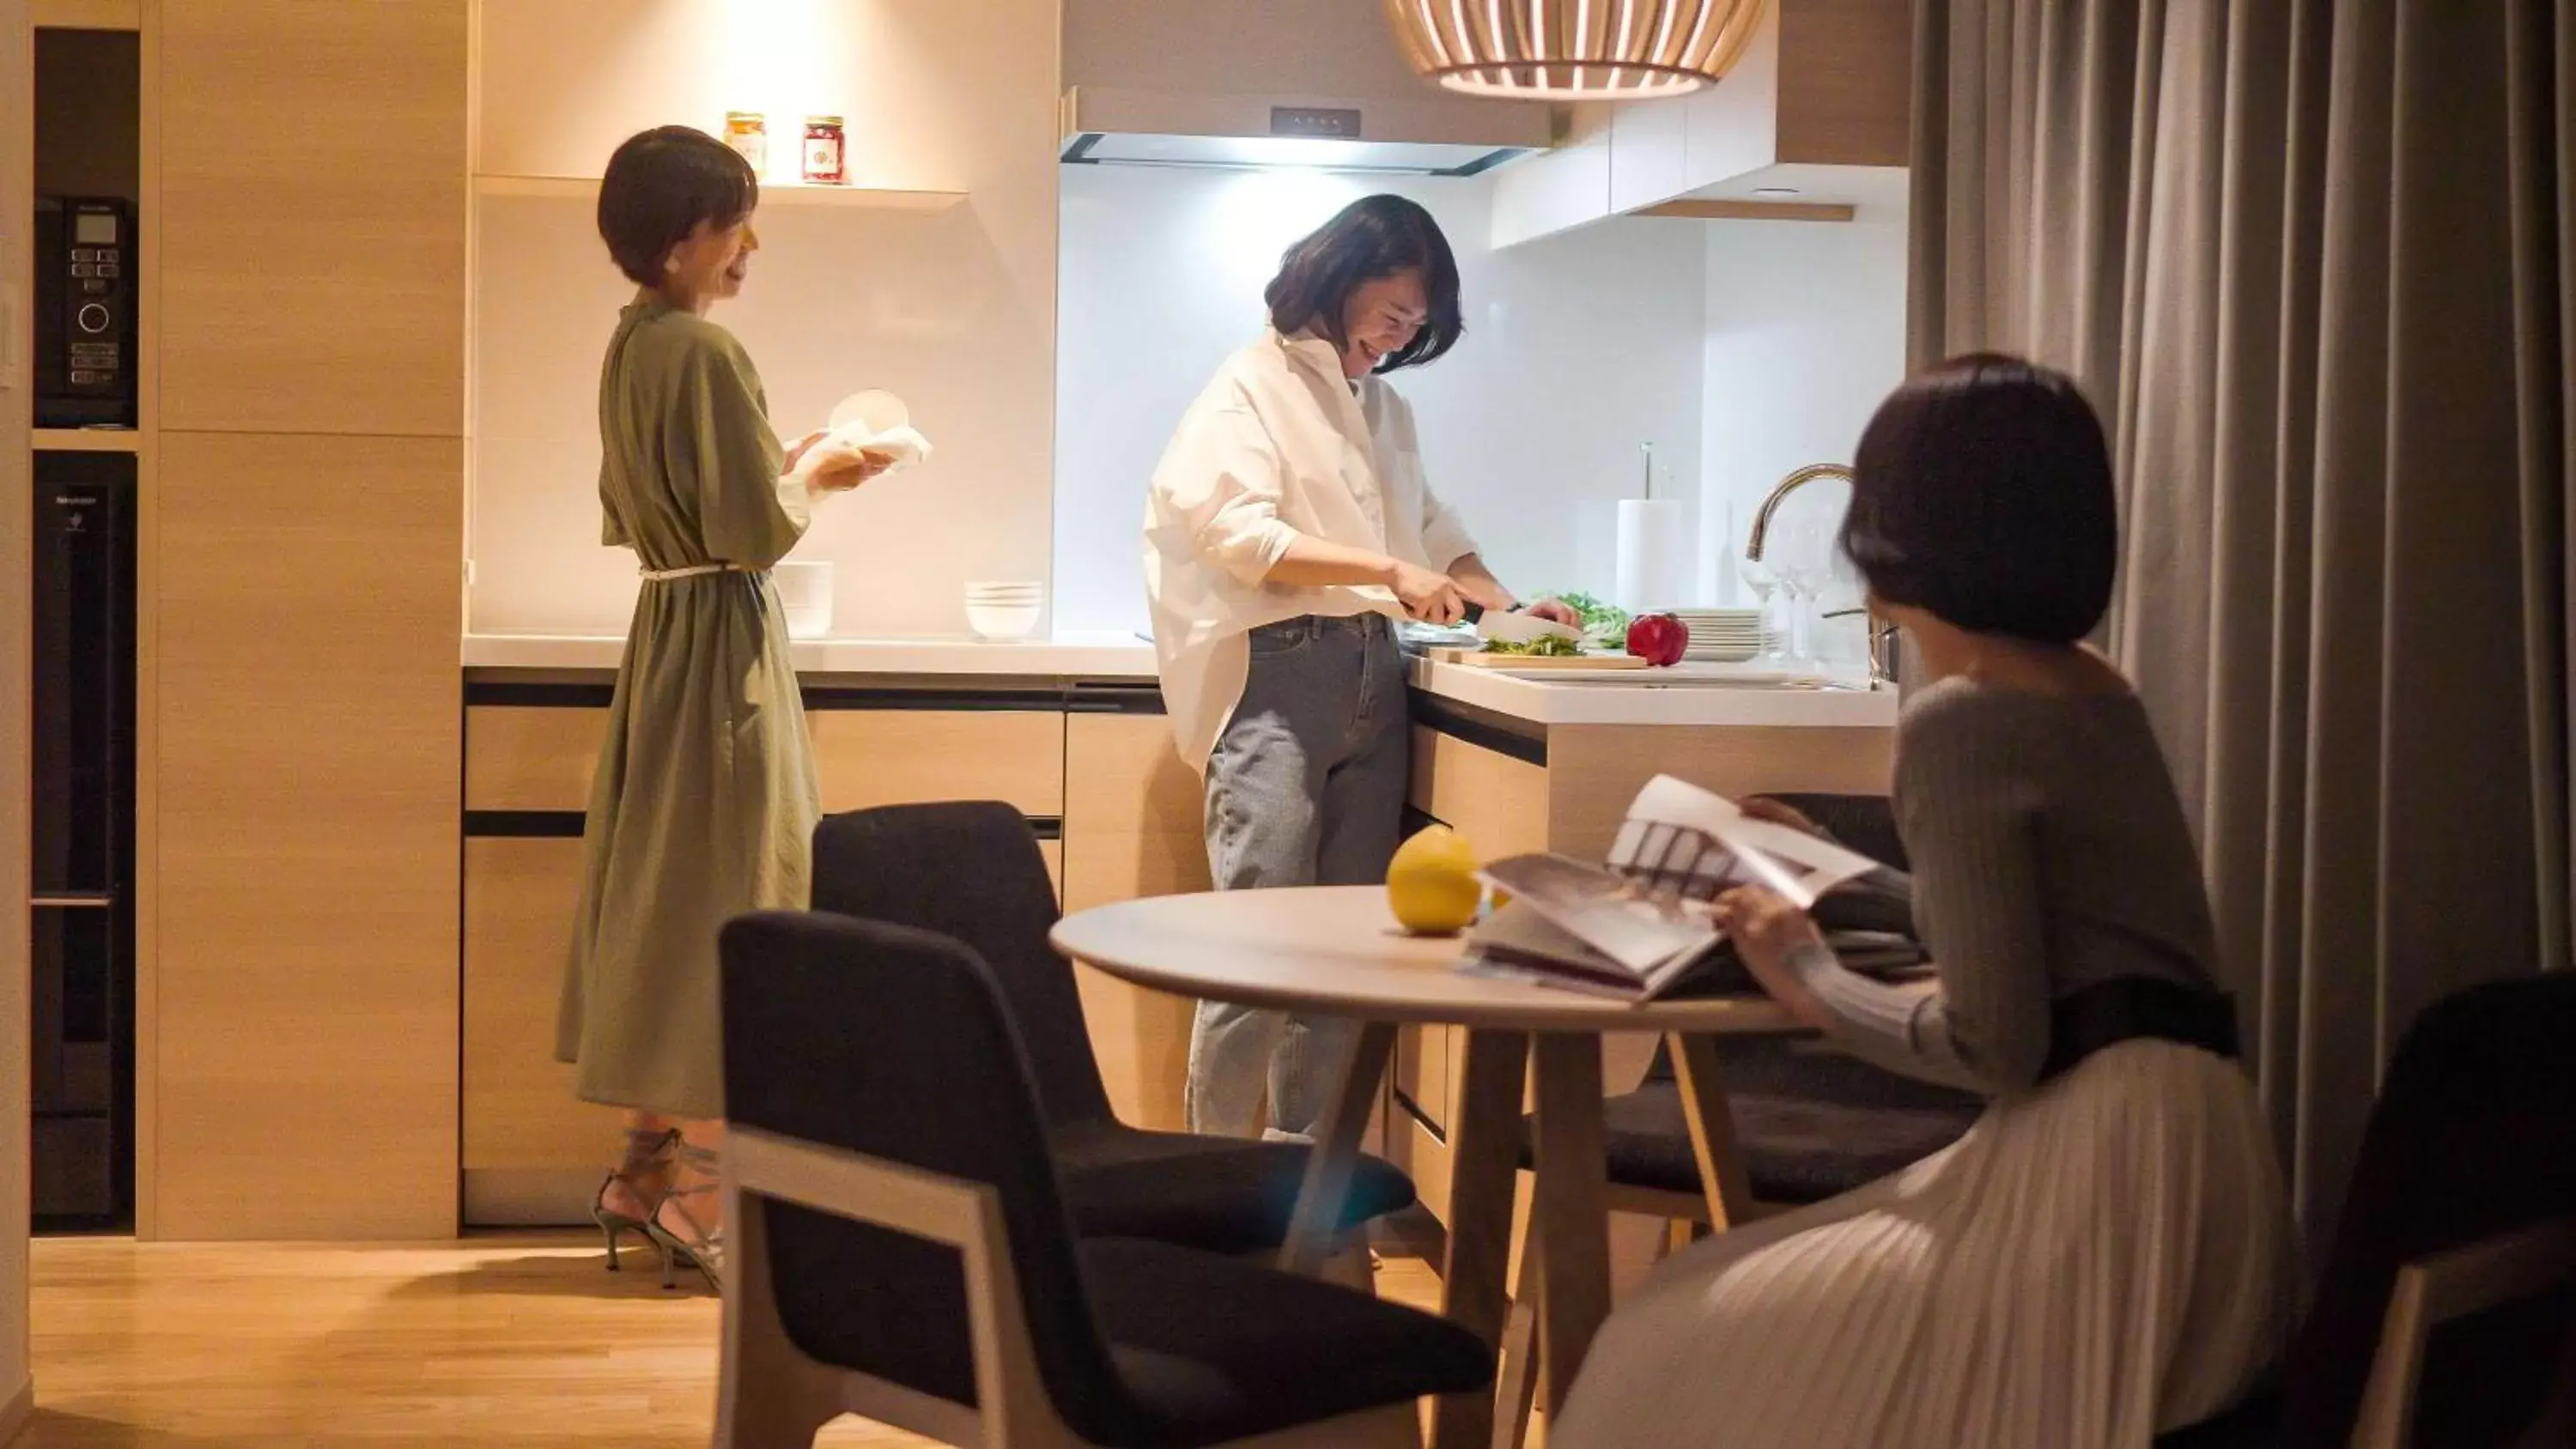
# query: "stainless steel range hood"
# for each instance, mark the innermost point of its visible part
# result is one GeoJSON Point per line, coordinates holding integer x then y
{"type": "Point", "coordinates": [1270, 84]}
{"type": "Point", "coordinates": [1242, 133]}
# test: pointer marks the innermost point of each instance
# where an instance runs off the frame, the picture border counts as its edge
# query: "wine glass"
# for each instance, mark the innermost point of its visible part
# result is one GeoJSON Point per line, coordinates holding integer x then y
{"type": "Point", "coordinates": [1805, 568]}
{"type": "Point", "coordinates": [1764, 580]}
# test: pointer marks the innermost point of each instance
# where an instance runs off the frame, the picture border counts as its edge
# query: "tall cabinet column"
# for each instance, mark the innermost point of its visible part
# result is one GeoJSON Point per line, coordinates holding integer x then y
{"type": "Point", "coordinates": [17, 282]}
{"type": "Point", "coordinates": [302, 532]}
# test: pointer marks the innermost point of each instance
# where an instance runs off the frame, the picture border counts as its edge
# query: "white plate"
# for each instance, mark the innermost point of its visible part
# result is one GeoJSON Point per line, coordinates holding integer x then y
{"type": "Point", "coordinates": [882, 411]}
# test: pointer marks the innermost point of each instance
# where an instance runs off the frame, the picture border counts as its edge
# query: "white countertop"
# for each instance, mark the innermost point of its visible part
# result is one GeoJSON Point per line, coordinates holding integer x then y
{"type": "Point", "coordinates": [1685, 694]}
{"type": "Point", "coordinates": [1084, 656]}
{"type": "Point", "coordinates": [1714, 695]}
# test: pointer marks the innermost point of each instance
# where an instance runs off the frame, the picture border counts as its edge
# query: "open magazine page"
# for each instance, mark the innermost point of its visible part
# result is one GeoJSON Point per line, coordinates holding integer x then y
{"type": "Point", "coordinates": [1699, 845]}
{"type": "Point", "coordinates": [1632, 925]}
{"type": "Point", "coordinates": [1640, 925]}
{"type": "Point", "coordinates": [1519, 941]}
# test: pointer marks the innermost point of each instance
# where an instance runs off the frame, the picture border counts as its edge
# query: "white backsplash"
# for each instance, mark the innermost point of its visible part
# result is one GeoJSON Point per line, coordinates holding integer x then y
{"type": "Point", "coordinates": [1578, 348]}
{"type": "Point", "coordinates": [1806, 335]}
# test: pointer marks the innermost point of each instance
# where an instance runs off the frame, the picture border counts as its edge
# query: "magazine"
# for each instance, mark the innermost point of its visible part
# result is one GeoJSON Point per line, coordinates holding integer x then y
{"type": "Point", "coordinates": [1639, 926]}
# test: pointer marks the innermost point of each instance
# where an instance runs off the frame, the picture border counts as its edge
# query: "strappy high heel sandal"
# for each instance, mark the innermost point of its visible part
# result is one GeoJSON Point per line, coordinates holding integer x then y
{"type": "Point", "coordinates": [689, 1246]}
{"type": "Point", "coordinates": [646, 1152]}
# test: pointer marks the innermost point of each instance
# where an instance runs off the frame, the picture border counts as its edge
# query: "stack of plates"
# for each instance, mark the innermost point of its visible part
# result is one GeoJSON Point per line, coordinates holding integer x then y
{"type": "Point", "coordinates": [1004, 611]}
{"type": "Point", "coordinates": [1722, 636]}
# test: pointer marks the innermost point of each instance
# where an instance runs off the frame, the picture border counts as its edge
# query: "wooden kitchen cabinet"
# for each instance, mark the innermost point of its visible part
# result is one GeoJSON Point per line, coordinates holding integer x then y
{"type": "Point", "coordinates": [531, 757]}
{"type": "Point", "coordinates": [871, 757]}
{"type": "Point", "coordinates": [1132, 815]}
{"type": "Point", "coordinates": [299, 766]}
{"type": "Point", "coordinates": [519, 1110]}
{"type": "Point", "coordinates": [541, 757]}
{"type": "Point", "coordinates": [531, 1153]}
{"type": "Point", "coordinates": [1817, 104]}
{"type": "Point", "coordinates": [312, 225]}
{"type": "Point", "coordinates": [1499, 804]}
{"type": "Point", "coordinates": [302, 291]}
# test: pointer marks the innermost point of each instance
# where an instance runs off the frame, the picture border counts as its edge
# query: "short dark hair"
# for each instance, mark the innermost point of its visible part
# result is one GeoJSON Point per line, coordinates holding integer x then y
{"type": "Point", "coordinates": [1982, 494]}
{"type": "Point", "coordinates": [1373, 237]}
{"type": "Point", "coordinates": [659, 186]}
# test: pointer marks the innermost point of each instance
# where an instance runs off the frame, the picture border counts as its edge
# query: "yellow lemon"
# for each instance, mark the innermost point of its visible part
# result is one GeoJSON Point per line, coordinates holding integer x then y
{"type": "Point", "coordinates": [1431, 884]}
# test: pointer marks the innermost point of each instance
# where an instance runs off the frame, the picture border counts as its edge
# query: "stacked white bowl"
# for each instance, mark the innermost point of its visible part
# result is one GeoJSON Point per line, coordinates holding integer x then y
{"type": "Point", "coordinates": [1722, 636]}
{"type": "Point", "coordinates": [805, 590]}
{"type": "Point", "coordinates": [1004, 610]}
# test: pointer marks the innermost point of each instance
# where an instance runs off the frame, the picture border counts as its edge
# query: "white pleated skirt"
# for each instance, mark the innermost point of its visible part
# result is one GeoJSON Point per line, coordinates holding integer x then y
{"type": "Point", "coordinates": [2104, 1259]}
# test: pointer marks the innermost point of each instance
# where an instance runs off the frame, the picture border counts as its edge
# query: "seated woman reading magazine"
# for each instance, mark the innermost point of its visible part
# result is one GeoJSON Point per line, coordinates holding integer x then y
{"type": "Point", "coordinates": [2105, 1254]}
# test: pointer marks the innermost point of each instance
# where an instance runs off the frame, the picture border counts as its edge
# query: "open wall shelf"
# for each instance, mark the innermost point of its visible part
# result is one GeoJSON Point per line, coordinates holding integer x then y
{"type": "Point", "coordinates": [772, 193]}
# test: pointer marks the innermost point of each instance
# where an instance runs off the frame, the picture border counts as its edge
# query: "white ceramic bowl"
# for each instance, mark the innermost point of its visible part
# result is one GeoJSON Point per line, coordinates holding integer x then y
{"type": "Point", "coordinates": [1002, 621]}
{"type": "Point", "coordinates": [806, 591]}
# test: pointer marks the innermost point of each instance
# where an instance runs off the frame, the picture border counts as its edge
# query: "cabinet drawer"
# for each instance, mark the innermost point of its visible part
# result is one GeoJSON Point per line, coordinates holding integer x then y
{"type": "Point", "coordinates": [531, 757]}
{"type": "Point", "coordinates": [521, 757]}
{"type": "Point", "coordinates": [903, 756]}
{"type": "Point", "coordinates": [519, 1108]}
{"type": "Point", "coordinates": [1132, 811]}
{"type": "Point", "coordinates": [1131, 828]}
{"type": "Point", "coordinates": [1498, 803]}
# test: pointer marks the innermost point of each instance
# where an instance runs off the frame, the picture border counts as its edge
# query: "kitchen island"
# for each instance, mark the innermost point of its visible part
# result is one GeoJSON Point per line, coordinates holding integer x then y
{"type": "Point", "coordinates": [1070, 731]}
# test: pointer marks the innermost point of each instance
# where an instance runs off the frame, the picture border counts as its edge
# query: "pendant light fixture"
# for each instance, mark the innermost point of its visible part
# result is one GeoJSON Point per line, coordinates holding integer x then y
{"type": "Point", "coordinates": [1573, 50]}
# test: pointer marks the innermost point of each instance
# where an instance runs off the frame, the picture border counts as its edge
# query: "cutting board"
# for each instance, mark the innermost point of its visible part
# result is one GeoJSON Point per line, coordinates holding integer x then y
{"type": "Point", "coordinates": [1478, 659]}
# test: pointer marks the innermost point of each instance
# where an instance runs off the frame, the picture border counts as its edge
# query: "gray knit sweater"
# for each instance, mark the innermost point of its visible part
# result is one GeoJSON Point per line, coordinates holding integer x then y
{"type": "Point", "coordinates": [2049, 852]}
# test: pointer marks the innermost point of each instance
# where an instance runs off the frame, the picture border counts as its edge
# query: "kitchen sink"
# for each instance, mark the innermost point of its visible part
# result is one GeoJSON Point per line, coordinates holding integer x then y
{"type": "Point", "coordinates": [1664, 679]}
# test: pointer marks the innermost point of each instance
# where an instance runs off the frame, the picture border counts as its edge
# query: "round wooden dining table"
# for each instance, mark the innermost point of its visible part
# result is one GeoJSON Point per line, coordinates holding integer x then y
{"type": "Point", "coordinates": [1337, 951]}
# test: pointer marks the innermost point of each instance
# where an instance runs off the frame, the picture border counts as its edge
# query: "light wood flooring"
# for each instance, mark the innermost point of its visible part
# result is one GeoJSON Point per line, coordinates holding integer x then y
{"type": "Point", "coordinates": [514, 1340]}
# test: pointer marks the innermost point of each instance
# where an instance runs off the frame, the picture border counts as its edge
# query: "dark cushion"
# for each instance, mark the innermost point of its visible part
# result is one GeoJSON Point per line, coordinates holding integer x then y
{"type": "Point", "coordinates": [1213, 1349]}
{"type": "Point", "coordinates": [1218, 1193]}
{"type": "Point", "coordinates": [1812, 1122]}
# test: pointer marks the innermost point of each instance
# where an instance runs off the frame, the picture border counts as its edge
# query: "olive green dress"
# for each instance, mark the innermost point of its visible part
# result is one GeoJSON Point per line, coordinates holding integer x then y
{"type": "Point", "coordinates": [705, 801]}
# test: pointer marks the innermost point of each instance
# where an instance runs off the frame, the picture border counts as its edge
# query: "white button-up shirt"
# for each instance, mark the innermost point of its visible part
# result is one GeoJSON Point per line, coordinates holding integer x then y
{"type": "Point", "coordinates": [1280, 444]}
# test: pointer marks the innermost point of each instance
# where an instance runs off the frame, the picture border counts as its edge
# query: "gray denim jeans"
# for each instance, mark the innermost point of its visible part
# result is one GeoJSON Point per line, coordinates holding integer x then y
{"type": "Point", "coordinates": [1306, 787]}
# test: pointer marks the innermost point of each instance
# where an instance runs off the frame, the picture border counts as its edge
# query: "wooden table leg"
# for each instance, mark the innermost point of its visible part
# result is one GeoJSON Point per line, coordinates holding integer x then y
{"type": "Point", "coordinates": [1323, 1194]}
{"type": "Point", "coordinates": [1516, 1384]}
{"type": "Point", "coordinates": [1712, 1131]}
{"type": "Point", "coordinates": [1484, 1159]}
{"type": "Point", "coordinates": [1571, 1207]}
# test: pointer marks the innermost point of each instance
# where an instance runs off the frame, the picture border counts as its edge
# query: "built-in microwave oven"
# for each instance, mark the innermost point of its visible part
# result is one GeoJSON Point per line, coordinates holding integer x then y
{"type": "Point", "coordinates": [84, 312]}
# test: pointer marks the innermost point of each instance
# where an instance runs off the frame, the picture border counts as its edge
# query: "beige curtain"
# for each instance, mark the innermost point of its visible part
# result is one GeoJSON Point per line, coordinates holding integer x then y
{"type": "Point", "coordinates": [2316, 262]}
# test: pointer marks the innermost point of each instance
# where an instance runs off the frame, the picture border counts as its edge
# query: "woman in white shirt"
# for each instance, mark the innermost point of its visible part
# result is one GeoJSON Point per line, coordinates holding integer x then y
{"type": "Point", "coordinates": [1288, 529]}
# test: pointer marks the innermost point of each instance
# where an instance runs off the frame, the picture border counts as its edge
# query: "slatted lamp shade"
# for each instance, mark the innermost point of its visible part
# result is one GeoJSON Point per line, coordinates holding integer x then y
{"type": "Point", "coordinates": [1568, 50]}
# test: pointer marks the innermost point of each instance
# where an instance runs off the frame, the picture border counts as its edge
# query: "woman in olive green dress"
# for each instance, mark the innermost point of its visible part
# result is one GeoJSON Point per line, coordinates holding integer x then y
{"type": "Point", "coordinates": [705, 801]}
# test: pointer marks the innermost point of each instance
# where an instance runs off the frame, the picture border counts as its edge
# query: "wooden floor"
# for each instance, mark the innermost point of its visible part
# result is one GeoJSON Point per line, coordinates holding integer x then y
{"type": "Point", "coordinates": [519, 1340]}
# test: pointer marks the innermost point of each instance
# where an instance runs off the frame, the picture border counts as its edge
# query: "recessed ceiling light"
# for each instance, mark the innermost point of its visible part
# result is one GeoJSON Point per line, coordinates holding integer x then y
{"type": "Point", "coordinates": [1775, 191]}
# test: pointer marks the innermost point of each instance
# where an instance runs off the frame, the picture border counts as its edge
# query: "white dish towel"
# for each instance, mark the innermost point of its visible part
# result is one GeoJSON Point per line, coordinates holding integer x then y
{"type": "Point", "coordinates": [903, 443]}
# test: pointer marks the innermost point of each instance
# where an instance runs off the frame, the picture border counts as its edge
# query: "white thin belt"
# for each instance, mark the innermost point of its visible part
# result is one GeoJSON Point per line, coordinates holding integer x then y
{"type": "Point", "coordinates": [664, 576]}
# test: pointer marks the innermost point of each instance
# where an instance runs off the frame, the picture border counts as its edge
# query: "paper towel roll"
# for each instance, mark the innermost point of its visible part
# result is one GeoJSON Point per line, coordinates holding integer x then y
{"type": "Point", "coordinates": [1654, 560]}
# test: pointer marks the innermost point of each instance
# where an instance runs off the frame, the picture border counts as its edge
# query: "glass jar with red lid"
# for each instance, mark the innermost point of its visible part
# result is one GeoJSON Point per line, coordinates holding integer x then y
{"type": "Point", "coordinates": [826, 154]}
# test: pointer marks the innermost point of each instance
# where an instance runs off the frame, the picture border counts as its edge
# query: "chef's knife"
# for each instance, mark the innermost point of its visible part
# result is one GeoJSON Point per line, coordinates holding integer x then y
{"type": "Point", "coordinates": [1511, 627]}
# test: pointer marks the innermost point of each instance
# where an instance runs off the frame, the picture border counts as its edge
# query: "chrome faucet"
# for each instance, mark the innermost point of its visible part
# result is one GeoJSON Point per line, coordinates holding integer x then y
{"type": "Point", "coordinates": [1882, 634]}
{"type": "Point", "coordinates": [1762, 516]}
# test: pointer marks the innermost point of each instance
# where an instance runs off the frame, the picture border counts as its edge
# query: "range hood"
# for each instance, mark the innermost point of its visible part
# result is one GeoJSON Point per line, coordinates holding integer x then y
{"type": "Point", "coordinates": [1270, 84]}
